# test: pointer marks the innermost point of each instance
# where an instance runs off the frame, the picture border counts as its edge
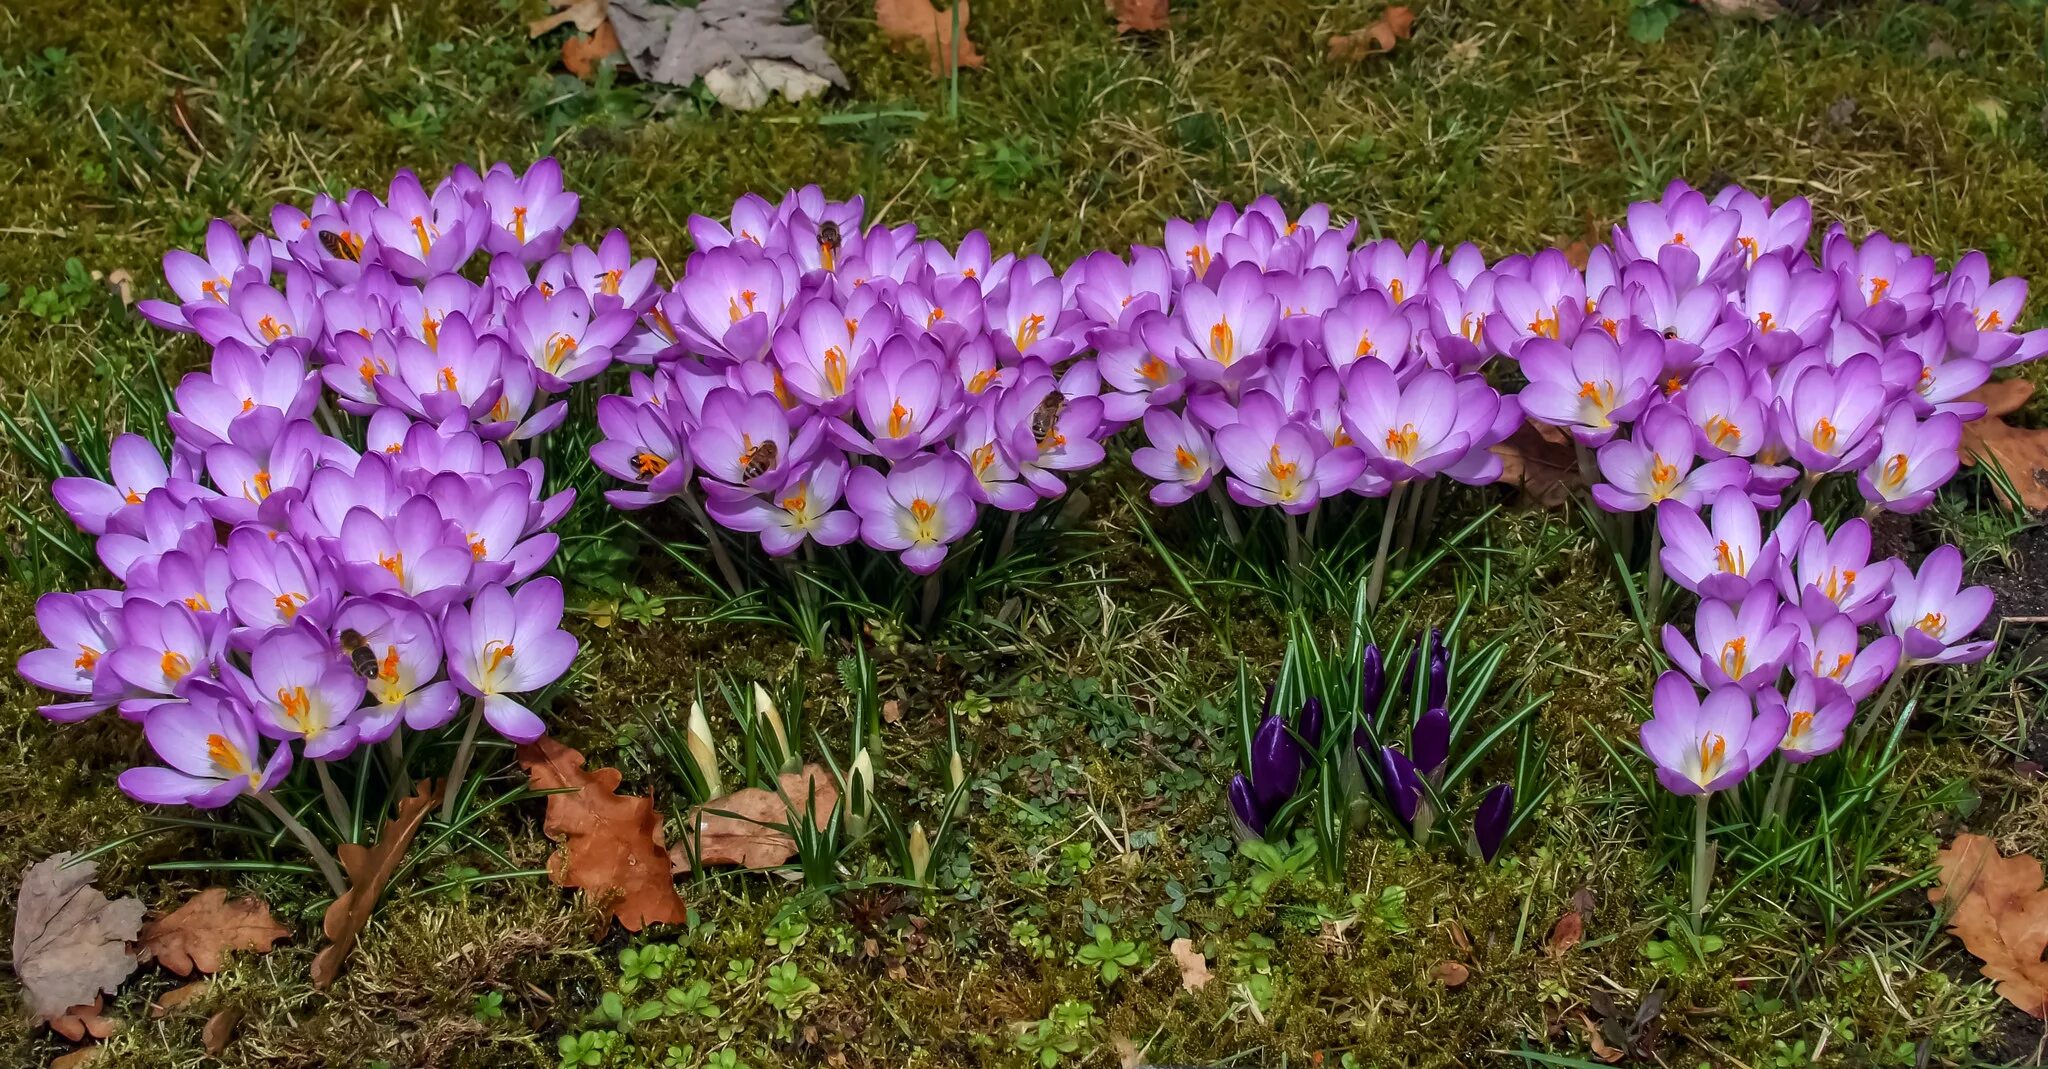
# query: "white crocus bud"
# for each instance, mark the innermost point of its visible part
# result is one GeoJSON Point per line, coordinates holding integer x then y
{"type": "Point", "coordinates": [860, 793]}
{"type": "Point", "coordinates": [702, 751]}
{"type": "Point", "coordinates": [764, 710]}
{"type": "Point", "coordinates": [920, 855]}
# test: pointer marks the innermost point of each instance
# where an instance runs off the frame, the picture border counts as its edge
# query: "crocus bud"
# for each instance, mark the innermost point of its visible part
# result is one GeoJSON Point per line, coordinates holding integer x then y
{"type": "Point", "coordinates": [1432, 741]}
{"type": "Point", "coordinates": [69, 457]}
{"type": "Point", "coordinates": [765, 711]}
{"type": "Point", "coordinates": [920, 851]}
{"type": "Point", "coordinates": [1276, 765]}
{"type": "Point", "coordinates": [1404, 787]}
{"type": "Point", "coordinates": [860, 791]}
{"type": "Point", "coordinates": [1245, 817]}
{"type": "Point", "coordinates": [703, 753]}
{"type": "Point", "coordinates": [1309, 725]}
{"type": "Point", "coordinates": [1372, 681]}
{"type": "Point", "coordinates": [956, 772]}
{"type": "Point", "coordinates": [1490, 823]}
{"type": "Point", "coordinates": [1439, 669]}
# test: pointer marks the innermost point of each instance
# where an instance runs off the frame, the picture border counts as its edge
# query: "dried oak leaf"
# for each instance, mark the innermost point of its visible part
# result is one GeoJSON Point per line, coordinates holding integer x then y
{"type": "Point", "coordinates": [588, 15]}
{"type": "Point", "coordinates": [2000, 912]}
{"type": "Point", "coordinates": [81, 1056]}
{"type": "Point", "coordinates": [2021, 451]}
{"type": "Point", "coordinates": [169, 1001]}
{"type": "Point", "coordinates": [70, 941]}
{"type": "Point", "coordinates": [84, 1020]}
{"type": "Point", "coordinates": [1194, 968]}
{"type": "Point", "coordinates": [676, 45]}
{"type": "Point", "coordinates": [196, 934]}
{"type": "Point", "coordinates": [1540, 461]}
{"type": "Point", "coordinates": [219, 1030]}
{"type": "Point", "coordinates": [1603, 1050]}
{"type": "Point", "coordinates": [1141, 16]}
{"type": "Point", "coordinates": [750, 827]}
{"type": "Point", "coordinates": [369, 868]}
{"type": "Point", "coordinates": [1379, 38]}
{"type": "Point", "coordinates": [918, 20]}
{"type": "Point", "coordinates": [582, 55]}
{"type": "Point", "coordinates": [1569, 930]}
{"type": "Point", "coordinates": [610, 843]}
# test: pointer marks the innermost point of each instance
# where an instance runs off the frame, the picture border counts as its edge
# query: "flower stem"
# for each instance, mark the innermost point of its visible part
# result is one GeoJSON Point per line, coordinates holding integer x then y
{"type": "Point", "coordinates": [394, 759]}
{"type": "Point", "coordinates": [1293, 539]}
{"type": "Point", "coordinates": [1223, 511]}
{"type": "Point", "coordinates": [1883, 704]}
{"type": "Point", "coordinates": [930, 609]}
{"type": "Point", "coordinates": [460, 768]}
{"type": "Point", "coordinates": [337, 805]}
{"type": "Point", "coordinates": [1653, 579]}
{"type": "Point", "coordinates": [1379, 561]}
{"type": "Point", "coordinates": [1774, 799]}
{"type": "Point", "coordinates": [712, 538]}
{"type": "Point", "coordinates": [1702, 864]}
{"type": "Point", "coordinates": [1807, 484]}
{"type": "Point", "coordinates": [321, 857]}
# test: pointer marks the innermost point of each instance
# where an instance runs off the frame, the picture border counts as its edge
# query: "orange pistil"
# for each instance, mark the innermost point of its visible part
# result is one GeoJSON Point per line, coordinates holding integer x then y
{"type": "Point", "coordinates": [430, 330]}
{"type": "Point", "coordinates": [1187, 461]}
{"type": "Point", "coordinates": [1824, 435]}
{"type": "Point", "coordinates": [248, 403]}
{"type": "Point", "coordinates": [1672, 386]}
{"type": "Point", "coordinates": [214, 288]}
{"type": "Point", "coordinates": [1895, 471]}
{"type": "Point", "coordinates": [1749, 250]}
{"type": "Point", "coordinates": [1713, 751]}
{"type": "Point", "coordinates": [1663, 474]}
{"type": "Point", "coordinates": [1802, 722]}
{"type": "Point", "coordinates": [558, 350]}
{"type": "Point", "coordinates": [420, 234]}
{"type": "Point", "coordinates": [835, 370]}
{"type": "Point", "coordinates": [1401, 443]}
{"type": "Point", "coordinates": [826, 256]}
{"type": "Point", "coordinates": [1842, 663]}
{"type": "Point", "coordinates": [1612, 327]}
{"type": "Point", "coordinates": [1396, 290]}
{"type": "Point", "coordinates": [1839, 583]}
{"type": "Point", "coordinates": [1198, 260]}
{"type": "Point", "coordinates": [1933, 624]}
{"type": "Point", "coordinates": [262, 481]}
{"type": "Point", "coordinates": [132, 498]}
{"type": "Point", "coordinates": [981, 457]}
{"type": "Point", "coordinates": [1030, 331]}
{"type": "Point", "coordinates": [387, 669]}
{"type": "Point", "coordinates": [477, 549]}
{"type": "Point", "coordinates": [298, 707]}
{"type": "Point", "coordinates": [448, 378]}
{"type": "Point", "coordinates": [1721, 432]}
{"type": "Point", "coordinates": [1990, 320]}
{"type": "Point", "coordinates": [1730, 559]}
{"type": "Point", "coordinates": [1877, 288]}
{"type": "Point", "coordinates": [1599, 401]}
{"type": "Point", "coordinates": [797, 503]}
{"type": "Point", "coordinates": [369, 370]}
{"type": "Point", "coordinates": [175, 665]}
{"type": "Point", "coordinates": [1223, 342]}
{"type": "Point", "coordinates": [1734, 658]}
{"type": "Point", "coordinates": [933, 317]}
{"type": "Point", "coordinates": [1364, 346]}
{"type": "Point", "coordinates": [519, 223]}
{"type": "Point", "coordinates": [87, 658]}
{"type": "Point", "coordinates": [395, 564]}
{"type": "Point", "coordinates": [899, 420]}
{"type": "Point", "coordinates": [1544, 327]}
{"type": "Point", "coordinates": [1765, 322]}
{"type": "Point", "coordinates": [923, 511]}
{"type": "Point", "coordinates": [225, 756]}
{"type": "Point", "coordinates": [609, 282]}
{"type": "Point", "coordinates": [1283, 472]}
{"type": "Point", "coordinates": [981, 380]}
{"type": "Point", "coordinates": [198, 603]}
{"type": "Point", "coordinates": [732, 305]}
{"type": "Point", "coordinates": [288, 604]}
{"type": "Point", "coordinates": [1678, 238]}
{"type": "Point", "coordinates": [272, 329]}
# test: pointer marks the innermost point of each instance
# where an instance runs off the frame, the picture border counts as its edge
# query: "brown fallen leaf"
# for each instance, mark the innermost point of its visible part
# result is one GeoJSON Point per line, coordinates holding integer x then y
{"type": "Point", "coordinates": [1194, 968]}
{"type": "Point", "coordinates": [1128, 1056]}
{"type": "Point", "coordinates": [892, 712]}
{"type": "Point", "coordinates": [749, 827]}
{"type": "Point", "coordinates": [1140, 16]}
{"type": "Point", "coordinates": [1569, 930]}
{"type": "Point", "coordinates": [588, 15]}
{"type": "Point", "coordinates": [220, 1030]}
{"type": "Point", "coordinates": [178, 996]}
{"type": "Point", "coordinates": [81, 1056]}
{"type": "Point", "coordinates": [583, 54]}
{"type": "Point", "coordinates": [2000, 911]}
{"type": "Point", "coordinates": [84, 1020]}
{"type": "Point", "coordinates": [1377, 39]}
{"type": "Point", "coordinates": [1461, 940]}
{"type": "Point", "coordinates": [369, 868]}
{"type": "Point", "coordinates": [2021, 451]}
{"type": "Point", "coordinates": [1603, 1050]}
{"type": "Point", "coordinates": [196, 934]}
{"type": "Point", "coordinates": [610, 843]}
{"type": "Point", "coordinates": [1540, 461]}
{"type": "Point", "coordinates": [904, 21]}
{"type": "Point", "coordinates": [70, 941]}
{"type": "Point", "coordinates": [1451, 974]}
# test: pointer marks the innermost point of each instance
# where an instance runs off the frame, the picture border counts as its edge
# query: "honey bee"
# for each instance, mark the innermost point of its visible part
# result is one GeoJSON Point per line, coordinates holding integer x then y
{"type": "Point", "coordinates": [828, 243]}
{"type": "Point", "coordinates": [1047, 415]}
{"type": "Point", "coordinates": [342, 245]}
{"type": "Point", "coordinates": [359, 655]}
{"type": "Point", "coordinates": [757, 461]}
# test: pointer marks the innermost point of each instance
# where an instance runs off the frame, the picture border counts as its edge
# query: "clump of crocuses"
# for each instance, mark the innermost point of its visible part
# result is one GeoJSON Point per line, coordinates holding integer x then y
{"type": "Point", "coordinates": [295, 586]}
{"type": "Point", "coordinates": [1335, 740]}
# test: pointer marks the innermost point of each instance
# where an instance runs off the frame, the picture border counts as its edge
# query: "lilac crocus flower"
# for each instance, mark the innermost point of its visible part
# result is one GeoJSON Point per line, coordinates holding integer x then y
{"type": "Point", "coordinates": [406, 646]}
{"type": "Point", "coordinates": [1789, 310]}
{"type": "Point", "coordinates": [275, 583]}
{"type": "Point", "coordinates": [1592, 386]}
{"type": "Point", "coordinates": [829, 345]}
{"type": "Point", "coordinates": [1417, 431]}
{"type": "Point", "coordinates": [417, 553]}
{"type": "Point", "coordinates": [800, 507]}
{"type": "Point", "coordinates": [162, 524]}
{"type": "Point", "coordinates": [1700, 747]}
{"type": "Point", "coordinates": [243, 383]}
{"type": "Point", "coordinates": [506, 643]}
{"type": "Point", "coordinates": [421, 236]}
{"type": "Point", "coordinates": [1180, 456]}
{"type": "Point", "coordinates": [1912, 461]}
{"type": "Point", "coordinates": [1656, 464]}
{"type": "Point", "coordinates": [1831, 649]}
{"type": "Point", "coordinates": [904, 400]}
{"type": "Point", "coordinates": [1278, 760]}
{"type": "Point", "coordinates": [919, 509]}
{"type": "Point", "coordinates": [1746, 644]}
{"type": "Point", "coordinates": [1839, 571]}
{"type": "Point", "coordinates": [1046, 431]}
{"type": "Point", "coordinates": [1366, 325]}
{"type": "Point", "coordinates": [528, 213]}
{"type": "Point", "coordinates": [565, 338]}
{"type": "Point", "coordinates": [211, 751]}
{"type": "Point", "coordinates": [1139, 378]}
{"type": "Point", "coordinates": [730, 301]}
{"type": "Point", "coordinates": [205, 281]}
{"type": "Point", "coordinates": [1226, 327]}
{"type": "Point", "coordinates": [1727, 406]}
{"type": "Point", "coordinates": [1725, 560]}
{"type": "Point", "coordinates": [165, 649]}
{"type": "Point", "coordinates": [1933, 614]}
{"type": "Point", "coordinates": [136, 468]}
{"type": "Point", "coordinates": [1828, 413]}
{"type": "Point", "coordinates": [1274, 461]}
{"type": "Point", "coordinates": [641, 447]}
{"type": "Point", "coordinates": [1818, 715]}
{"type": "Point", "coordinates": [987, 451]}
{"type": "Point", "coordinates": [80, 630]}
{"type": "Point", "coordinates": [302, 688]}
{"type": "Point", "coordinates": [744, 439]}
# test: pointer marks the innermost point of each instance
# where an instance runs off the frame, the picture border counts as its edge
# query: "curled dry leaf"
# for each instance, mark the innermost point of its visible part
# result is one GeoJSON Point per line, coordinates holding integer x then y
{"type": "Point", "coordinates": [1451, 974]}
{"type": "Point", "coordinates": [1569, 930]}
{"type": "Point", "coordinates": [369, 868]}
{"type": "Point", "coordinates": [1194, 968]}
{"type": "Point", "coordinates": [70, 941]}
{"type": "Point", "coordinates": [588, 15]}
{"type": "Point", "coordinates": [610, 844]}
{"type": "Point", "coordinates": [1128, 1056]}
{"type": "Point", "coordinates": [2021, 451]}
{"type": "Point", "coordinates": [1603, 1050]}
{"type": "Point", "coordinates": [81, 1056]}
{"type": "Point", "coordinates": [196, 934]}
{"type": "Point", "coordinates": [2000, 911]}
{"type": "Point", "coordinates": [1379, 38]}
{"type": "Point", "coordinates": [220, 1030]}
{"type": "Point", "coordinates": [582, 54]}
{"type": "Point", "coordinates": [1141, 16]}
{"type": "Point", "coordinates": [1540, 461]}
{"type": "Point", "coordinates": [171, 1000]}
{"type": "Point", "coordinates": [750, 827]}
{"type": "Point", "coordinates": [904, 21]}
{"type": "Point", "coordinates": [84, 1020]}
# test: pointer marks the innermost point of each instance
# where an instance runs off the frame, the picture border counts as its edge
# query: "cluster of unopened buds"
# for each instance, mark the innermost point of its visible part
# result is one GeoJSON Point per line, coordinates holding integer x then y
{"type": "Point", "coordinates": [289, 575]}
{"type": "Point", "coordinates": [812, 382]}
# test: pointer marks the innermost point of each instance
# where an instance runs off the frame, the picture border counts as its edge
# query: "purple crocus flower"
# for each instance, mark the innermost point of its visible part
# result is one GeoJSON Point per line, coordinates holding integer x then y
{"type": "Point", "coordinates": [80, 630]}
{"type": "Point", "coordinates": [1912, 461]}
{"type": "Point", "coordinates": [744, 439]}
{"type": "Point", "coordinates": [1245, 816]}
{"type": "Point", "coordinates": [1763, 229]}
{"type": "Point", "coordinates": [1828, 413]}
{"type": "Point", "coordinates": [1366, 325]}
{"type": "Point", "coordinates": [564, 337]}
{"type": "Point", "coordinates": [1746, 644]}
{"type": "Point", "coordinates": [421, 236]}
{"type": "Point", "coordinates": [1427, 427]}
{"type": "Point", "coordinates": [162, 524]}
{"type": "Point", "coordinates": [417, 553]}
{"type": "Point", "coordinates": [1818, 715]}
{"type": "Point", "coordinates": [920, 508]}
{"type": "Point", "coordinates": [800, 507]}
{"type": "Point", "coordinates": [1277, 764]}
{"type": "Point", "coordinates": [406, 645]}
{"type": "Point", "coordinates": [275, 584]}
{"type": "Point", "coordinates": [1045, 431]}
{"type": "Point", "coordinates": [1789, 310]}
{"type": "Point", "coordinates": [212, 752]}
{"type": "Point", "coordinates": [730, 301]}
{"type": "Point", "coordinates": [528, 213]}
{"type": "Point", "coordinates": [302, 688]}
{"type": "Point", "coordinates": [1592, 386]}
{"type": "Point", "coordinates": [1723, 561]}
{"type": "Point", "coordinates": [641, 447]}
{"type": "Point", "coordinates": [1431, 741]}
{"type": "Point", "coordinates": [243, 382]}
{"type": "Point", "coordinates": [1839, 570]}
{"type": "Point", "coordinates": [506, 643]}
{"type": "Point", "coordinates": [1727, 406]}
{"type": "Point", "coordinates": [1657, 465]}
{"type": "Point", "coordinates": [1883, 287]}
{"type": "Point", "coordinates": [829, 345]}
{"type": "Point", "coordinates": [997, 480]}
{"type": "Point", "coordinates": [1831, 649]}
{"type": "Point", "coordinates": [905, 402]}
{"type": "Point", "coordinates": [1702, 747]}
{"type": "Point", "coordinates": [136, 468]}
{"type": "Point", "coordinates": [1180, 456]}
{"type": "Point", "coordinates": [205, 281]}
{"type": "Point", "coordinates": [1273, 461]}
{"type": "Point", "coordinates": [165, 649]}
{"type": "Point", "coordinates": [1490, 821]}
{"type": "Point", "coordinates": [1933, 614]}
{"type": "Point", "coordinates": [1403, 784]}
{"type": "Point", "coordinates": [1226, 328]}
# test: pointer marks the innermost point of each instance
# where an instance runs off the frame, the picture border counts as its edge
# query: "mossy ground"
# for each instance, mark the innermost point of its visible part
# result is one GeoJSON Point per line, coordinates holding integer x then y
{"type": "Point", "coordinates": [1094, 719]}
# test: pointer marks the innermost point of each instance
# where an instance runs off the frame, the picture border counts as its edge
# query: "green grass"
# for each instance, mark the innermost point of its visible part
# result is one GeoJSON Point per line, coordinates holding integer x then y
{"type": "Point", "coordinates": [1091, 716]}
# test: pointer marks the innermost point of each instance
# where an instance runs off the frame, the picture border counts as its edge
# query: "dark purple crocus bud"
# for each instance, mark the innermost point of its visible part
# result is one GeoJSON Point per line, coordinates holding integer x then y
{"type": "Point", "coordinates": [1404, 787]}
{"type": "Point", "coordinates": [1432, 741]}
{"type": "Point", "coordinates": [1372, 681]}
{"type": "Point", "coordinates": [1309, 725]}
{"type": "Point", "coordinates": [1490, 823]}
{"type": "Point", "coordinates": [1266, 707]}
{"type": "Point", "coordinates": [1245, 809]}
{"type": "Point", "coordinates": [1439, 669]}
{"type": "Point", "coordinates": [69, 456]}
{"type": "Point", "coordinates": [1276, 765]}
